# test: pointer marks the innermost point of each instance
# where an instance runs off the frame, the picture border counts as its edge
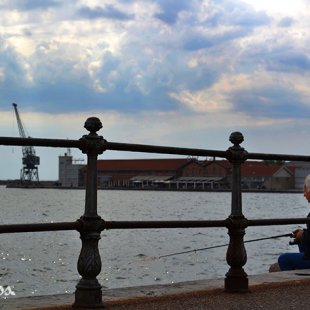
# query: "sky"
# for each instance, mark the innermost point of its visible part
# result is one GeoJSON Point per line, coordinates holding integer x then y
{"type": "Point", "coordinates": [183, 73]}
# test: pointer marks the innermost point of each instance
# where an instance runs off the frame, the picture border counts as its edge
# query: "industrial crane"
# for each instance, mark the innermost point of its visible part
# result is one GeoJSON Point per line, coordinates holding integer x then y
{"type": "Point", "coordinates": [29, 173]}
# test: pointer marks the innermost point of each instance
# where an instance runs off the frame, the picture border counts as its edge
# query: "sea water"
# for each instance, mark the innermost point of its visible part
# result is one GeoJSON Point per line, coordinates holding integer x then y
{"type": "Point", "coordinates": [42, 263]}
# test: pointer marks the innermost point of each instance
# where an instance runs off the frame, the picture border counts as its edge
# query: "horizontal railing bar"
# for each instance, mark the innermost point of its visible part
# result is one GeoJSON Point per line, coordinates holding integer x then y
{"type": "Point", "coordinates": [196, 152]}
{"type": "Point", "coordinates": [20, 228]}
{"type": "Point", "coordinates": [199, 224]}
{"type": "Point", "coordinates": [77, 225]}
{"type": "Point", "coordinates": [163, 224]}
{"type": "Point", "coordinates": [144, 148]}
{"type": "Point", "coordinates": [284, 221]}
{"type": "Point", "coordinates": [264, 156]}
{"type": "Point", "coordinates": [41, 142]}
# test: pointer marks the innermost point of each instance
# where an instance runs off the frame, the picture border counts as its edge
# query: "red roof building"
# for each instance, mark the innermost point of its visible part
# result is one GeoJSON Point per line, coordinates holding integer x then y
{"type": "Point", "coordinates": [189, 173]}
{"type": "Point", "coordinates": [125, 172]}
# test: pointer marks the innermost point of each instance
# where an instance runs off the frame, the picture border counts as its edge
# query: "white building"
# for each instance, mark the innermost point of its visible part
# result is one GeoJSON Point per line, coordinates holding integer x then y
{"type": "Point", "coordinates": [300, 175]}
{"type": "Point", "coordinates": [68, 170]}
{"type": "Point", "coordinates": [302, 169]}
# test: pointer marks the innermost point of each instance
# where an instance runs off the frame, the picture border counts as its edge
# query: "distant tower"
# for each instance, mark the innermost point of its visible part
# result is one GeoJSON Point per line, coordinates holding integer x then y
{"type": "Point", "coordinates": [69, 170]}
{"type": "Point", "coordinates": [29, 173]}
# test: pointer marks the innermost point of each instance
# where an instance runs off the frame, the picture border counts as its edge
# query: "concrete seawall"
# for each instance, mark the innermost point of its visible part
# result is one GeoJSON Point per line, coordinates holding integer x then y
{"type": "Point", "coordinates": [279, 290]}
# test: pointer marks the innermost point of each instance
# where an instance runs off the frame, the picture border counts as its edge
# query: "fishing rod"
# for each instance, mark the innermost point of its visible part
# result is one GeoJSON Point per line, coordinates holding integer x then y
{"type": "Point", "coordinates": [222, 245]}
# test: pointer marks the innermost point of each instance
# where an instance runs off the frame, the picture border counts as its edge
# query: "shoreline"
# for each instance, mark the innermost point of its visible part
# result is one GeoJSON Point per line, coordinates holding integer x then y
{"type": "Point", "coordinates": [42, 186]}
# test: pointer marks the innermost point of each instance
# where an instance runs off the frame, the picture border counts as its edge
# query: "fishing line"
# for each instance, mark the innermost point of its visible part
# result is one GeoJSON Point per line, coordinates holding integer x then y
{"type": "Point", "coordinates": [213, 247]}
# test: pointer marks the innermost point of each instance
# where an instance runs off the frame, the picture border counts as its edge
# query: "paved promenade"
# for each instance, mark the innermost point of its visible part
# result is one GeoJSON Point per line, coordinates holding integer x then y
{"type": "Point", "coordinates": [280, 290]}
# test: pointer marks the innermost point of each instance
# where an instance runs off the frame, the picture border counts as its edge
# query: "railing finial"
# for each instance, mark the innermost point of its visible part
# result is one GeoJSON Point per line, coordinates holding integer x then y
{"type": "Point", "coordinates": [236, 138]}
{"type": "Point", "coordinates": [93, 124]}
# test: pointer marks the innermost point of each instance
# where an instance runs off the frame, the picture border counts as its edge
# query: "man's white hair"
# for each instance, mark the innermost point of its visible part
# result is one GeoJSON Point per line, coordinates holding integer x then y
{"type": "Point", "coordinates": [307, 182]}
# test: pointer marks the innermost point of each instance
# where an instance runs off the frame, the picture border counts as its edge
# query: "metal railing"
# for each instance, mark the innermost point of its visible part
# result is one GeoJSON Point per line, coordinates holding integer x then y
{"type": "Point", "coordinates": [88, 293]}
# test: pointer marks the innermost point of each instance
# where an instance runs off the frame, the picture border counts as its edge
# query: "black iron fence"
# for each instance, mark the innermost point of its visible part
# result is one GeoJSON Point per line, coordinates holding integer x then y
{"type": "Point", "coordinates": [88, 292]}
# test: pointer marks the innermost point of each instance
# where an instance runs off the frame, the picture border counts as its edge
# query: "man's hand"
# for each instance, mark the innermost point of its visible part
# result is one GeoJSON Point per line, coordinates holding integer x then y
{"type": "Point", "coordinates": [298, 233]}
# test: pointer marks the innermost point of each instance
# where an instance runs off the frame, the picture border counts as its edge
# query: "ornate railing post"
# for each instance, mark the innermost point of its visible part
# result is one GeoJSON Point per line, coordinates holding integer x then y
{"type": "Point", "coordinates": [88, 292]}
{"type": "Point", "coordinates": [236, 279]}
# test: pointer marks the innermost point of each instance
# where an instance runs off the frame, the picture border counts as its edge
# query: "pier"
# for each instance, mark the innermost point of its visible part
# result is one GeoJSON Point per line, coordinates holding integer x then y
{"type": "Point", "coordinates": [235, 287]}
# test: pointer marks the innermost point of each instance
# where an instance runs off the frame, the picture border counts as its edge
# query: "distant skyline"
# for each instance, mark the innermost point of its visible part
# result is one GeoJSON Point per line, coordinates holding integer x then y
{"type": "Point", "coordinates": [169, 72]}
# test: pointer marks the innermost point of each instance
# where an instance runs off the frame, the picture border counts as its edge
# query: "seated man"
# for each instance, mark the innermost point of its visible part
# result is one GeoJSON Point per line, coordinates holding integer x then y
{"type": "Point", "coordinates": [301, 260]}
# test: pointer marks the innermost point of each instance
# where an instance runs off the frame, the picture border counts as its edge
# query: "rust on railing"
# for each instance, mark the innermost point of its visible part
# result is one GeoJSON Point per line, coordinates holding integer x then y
{"type": "Point", "coordinates": [88, 292]}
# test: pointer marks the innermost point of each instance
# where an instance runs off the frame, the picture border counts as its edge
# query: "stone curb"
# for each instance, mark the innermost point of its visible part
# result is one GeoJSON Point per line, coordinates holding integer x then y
{"type": "Point", "coordinates": [140, 294]}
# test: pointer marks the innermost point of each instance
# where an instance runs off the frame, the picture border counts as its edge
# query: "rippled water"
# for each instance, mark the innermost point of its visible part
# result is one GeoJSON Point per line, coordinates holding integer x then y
{"type": "Point", "coordinates": [45, 262]}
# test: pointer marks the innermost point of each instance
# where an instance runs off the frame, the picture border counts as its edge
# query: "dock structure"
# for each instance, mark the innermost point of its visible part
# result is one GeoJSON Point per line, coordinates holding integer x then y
{"type": "Point", "coordinates": [89, 293]}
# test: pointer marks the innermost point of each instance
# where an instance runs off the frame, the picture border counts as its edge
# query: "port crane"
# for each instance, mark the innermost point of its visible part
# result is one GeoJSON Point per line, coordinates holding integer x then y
{"type": "Point", "coordinates": [29, 172]}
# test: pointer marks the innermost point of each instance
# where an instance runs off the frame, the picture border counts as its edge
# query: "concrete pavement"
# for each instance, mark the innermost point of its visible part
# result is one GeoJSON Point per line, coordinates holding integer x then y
{"type": "Point", "coordinates": [278, 290]}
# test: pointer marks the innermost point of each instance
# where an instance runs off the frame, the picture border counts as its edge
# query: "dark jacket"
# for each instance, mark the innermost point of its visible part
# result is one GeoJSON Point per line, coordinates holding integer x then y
{"type": "Point", "coordinates": [305, 241]}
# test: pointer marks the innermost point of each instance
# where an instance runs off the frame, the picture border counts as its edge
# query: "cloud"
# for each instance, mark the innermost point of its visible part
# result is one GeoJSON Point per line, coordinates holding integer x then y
{"type": "Point", "coordinates": [108, 11]}
{"type": "Point", "coordinates": [199, 40]}
{"type": "Point", "coordinates": [13, 72]}
{"type": "Point", "coordinates": [272, 102]}
{"type": "Point", "coordinates": [187, 52]}
{"type": "Point", "coordinates": [184, 73]}
{"type": "Point", "coordinates": [233, 13]}
{"type": "Point", "coordinates": [29, 5]}
{"type": "Point", "coordinates": [170, 9]}
{"type": "Point", "coordinates": [286, 22]}
{"type": "Point", "coordinates": [283, 60]}
{"type": "Point", "coordinates": [259, 94]}
{"type": "Point", "coordinates": [247, 18]}
{"type": "Point", "coordinates": [202, 101]}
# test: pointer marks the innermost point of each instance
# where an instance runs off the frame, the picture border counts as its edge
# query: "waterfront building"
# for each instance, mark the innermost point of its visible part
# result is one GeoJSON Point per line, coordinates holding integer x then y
{"type": "Point", "coordinates": [260, 175]}
{"type": "Point", "coordinates": [179, 173]}
{"type": "Point", "coordinates": [302, 169]}
{"type": "Point", "coordinates": [138, 173]}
